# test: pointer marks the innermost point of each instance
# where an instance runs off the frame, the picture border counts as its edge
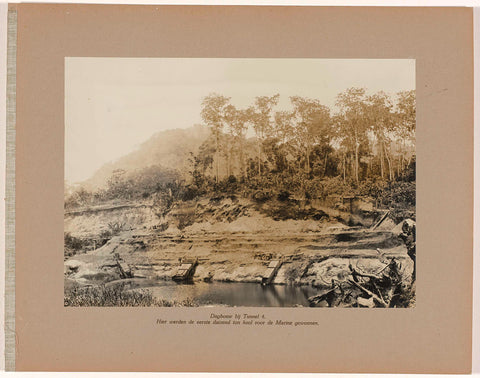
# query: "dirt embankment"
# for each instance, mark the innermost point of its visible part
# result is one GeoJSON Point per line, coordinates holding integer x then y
{"type": "Point", "coordinates": [233, 240]}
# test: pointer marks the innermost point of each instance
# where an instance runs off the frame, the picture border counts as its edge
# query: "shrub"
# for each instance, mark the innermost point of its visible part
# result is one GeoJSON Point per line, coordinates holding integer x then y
{"type": "Point", "coordinates": [115, 227]}
{"type": "Point", "coordinates": [73, 245]}
{"type": "Point", "coordinates": [334, 185]}
{"type": "Point", "coordinates": [189, 193]}
{"type": "Point", "coordinates": [228, 185]}
{"type": "Point", "coordinates": [400, 194]}
{"type": "Point", "coordinates": [283, 195]}
{"type": "Point", "coordinates": [72, 242]}
{"type": "Point", "coordinates": [262, 195]}
{"type": "Point", "coordinates": [184, 220]}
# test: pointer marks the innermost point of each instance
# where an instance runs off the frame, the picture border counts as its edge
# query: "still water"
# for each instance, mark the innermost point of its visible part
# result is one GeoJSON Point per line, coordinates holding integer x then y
{"type": "Point", "coordinates": [235, 294]}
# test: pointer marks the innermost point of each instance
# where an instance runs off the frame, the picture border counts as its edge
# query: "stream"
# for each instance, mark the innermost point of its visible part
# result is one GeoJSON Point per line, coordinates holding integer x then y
{"type": "Point", "coordinates": [235, 294]}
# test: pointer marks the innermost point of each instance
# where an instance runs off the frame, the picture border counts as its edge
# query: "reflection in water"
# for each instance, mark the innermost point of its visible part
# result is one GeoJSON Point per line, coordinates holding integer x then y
{"type": "Point", "coordinates": [235, 294]}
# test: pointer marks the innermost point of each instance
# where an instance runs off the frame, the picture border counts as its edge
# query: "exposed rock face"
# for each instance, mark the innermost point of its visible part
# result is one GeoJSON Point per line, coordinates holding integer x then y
{"type": "Point", "coordinates": [238, 250]}
{"type": "Point", "coordinates": [152, 247]}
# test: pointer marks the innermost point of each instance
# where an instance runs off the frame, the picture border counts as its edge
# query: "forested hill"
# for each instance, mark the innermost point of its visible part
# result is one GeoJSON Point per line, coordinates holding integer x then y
{"type": "Point", "coordinates": [364, 146]}
{"type": "Point", "coordinates": [169, 149]}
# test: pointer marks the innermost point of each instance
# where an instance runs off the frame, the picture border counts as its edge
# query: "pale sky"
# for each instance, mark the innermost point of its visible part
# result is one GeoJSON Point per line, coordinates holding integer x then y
{"type": "Point", "coordinates": [112, 105]}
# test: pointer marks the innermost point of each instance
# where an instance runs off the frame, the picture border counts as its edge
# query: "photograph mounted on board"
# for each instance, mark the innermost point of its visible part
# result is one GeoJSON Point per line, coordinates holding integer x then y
{"type": "Point", "coordinates": [240, 182]}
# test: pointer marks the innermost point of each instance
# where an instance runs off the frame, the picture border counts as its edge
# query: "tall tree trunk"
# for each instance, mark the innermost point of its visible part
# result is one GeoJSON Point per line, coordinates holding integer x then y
{"type": "Point", "coordinates": [356, 156]}
{"type": "Point", "coordinates": [325, 165]}
{"type": "Point", "coordinates": [352, 167]}
{"type": "Point", "coordinates": [242, 161]}
{"type": "Point", "coordinates": [382, 167]}
{"type": "Point", "coordinates": [356, 162]}
{"type": "Point", "coordinates": [307, 160]}
{"type": "Point", "coordinates": [216, 157]}
{"type": "Point", "coordinates": [259, 157]}
{"type": "Point", "coordinates": [391, 173]}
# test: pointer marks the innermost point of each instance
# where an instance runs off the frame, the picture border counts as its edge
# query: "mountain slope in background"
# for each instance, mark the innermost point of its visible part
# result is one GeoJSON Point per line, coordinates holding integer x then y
{"type": "Point", "coordinates": [170, 149]}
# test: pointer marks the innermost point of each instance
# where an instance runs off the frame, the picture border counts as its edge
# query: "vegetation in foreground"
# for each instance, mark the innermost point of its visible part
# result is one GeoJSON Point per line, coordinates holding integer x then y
{"type": "Point", "coordinates": [117, 296]}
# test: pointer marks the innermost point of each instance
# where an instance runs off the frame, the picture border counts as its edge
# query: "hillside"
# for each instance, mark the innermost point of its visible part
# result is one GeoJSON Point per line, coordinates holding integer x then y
{"type": "Point", "coordinates": [170, 149]}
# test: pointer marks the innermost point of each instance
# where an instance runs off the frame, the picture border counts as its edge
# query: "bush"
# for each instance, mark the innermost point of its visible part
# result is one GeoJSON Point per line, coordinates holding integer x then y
{"type": "Point", "coordinates": [400, 194]}
{"type": "Point", "coordinates": [72, 242]}
{"type": "Point", "coordinates": [73, 245]}
{"type": "Point", "coordinates": [262, 195]}
{"type": "Point", "coordinates": [115, 228]}
{"type": "Point", "coordinates": [409, 174]}
{"type": "Point", "coordinates": [189, 193]}
{"type": "Point", "coordinates": [334, 185]}
{"type": "Point", "coordinates": [184, 220]}
{"type": "Point", "coordinates": [283, 195]}
{"type": "Point", "coordinates": [228, 185]}
{"type": "Point", "coordinates": [371, 187]}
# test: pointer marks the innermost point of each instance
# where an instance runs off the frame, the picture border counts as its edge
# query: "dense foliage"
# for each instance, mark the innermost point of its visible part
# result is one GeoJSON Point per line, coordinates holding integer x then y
{"type": "Point", "coordinates": [366, 146]}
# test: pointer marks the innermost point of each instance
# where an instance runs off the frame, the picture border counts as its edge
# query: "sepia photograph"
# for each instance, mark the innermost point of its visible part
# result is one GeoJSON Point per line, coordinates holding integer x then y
{"type": "Point", "coordinates": [192, 182]}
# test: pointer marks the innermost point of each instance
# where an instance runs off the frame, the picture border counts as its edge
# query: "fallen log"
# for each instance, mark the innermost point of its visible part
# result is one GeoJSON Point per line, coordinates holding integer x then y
{"type": "Point", "coordinates": [375, 297]}
{"type": "Point", "coordinates": [327, 296]}
{"type": "Point", "coordinates": [384, 216]}
{"type": "Point", "coordinates": [356, 272]}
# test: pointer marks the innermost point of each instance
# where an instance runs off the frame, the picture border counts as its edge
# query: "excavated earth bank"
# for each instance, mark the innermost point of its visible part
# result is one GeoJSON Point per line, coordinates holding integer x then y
{"type": "Point", "coordinates": [231, 240]}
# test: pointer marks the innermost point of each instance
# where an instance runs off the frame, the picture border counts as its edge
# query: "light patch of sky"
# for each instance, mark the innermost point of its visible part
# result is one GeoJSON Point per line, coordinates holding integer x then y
{"type": "Point", "coordinates": [112, 105]}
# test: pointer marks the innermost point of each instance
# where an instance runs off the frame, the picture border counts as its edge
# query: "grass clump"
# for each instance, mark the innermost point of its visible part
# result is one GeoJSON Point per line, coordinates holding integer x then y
{"type": "Point", "coordinates": [117, 296]}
